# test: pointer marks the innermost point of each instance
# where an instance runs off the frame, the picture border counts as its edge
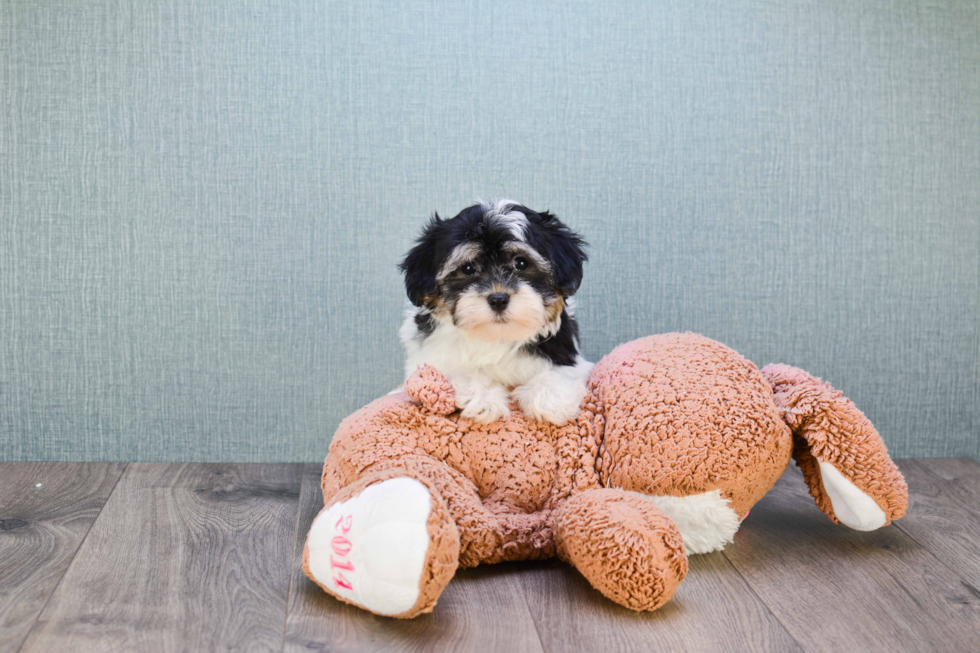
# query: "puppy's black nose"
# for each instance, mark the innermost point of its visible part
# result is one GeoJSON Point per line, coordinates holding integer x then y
{"type": "Point", "coordinates": [498, 301]}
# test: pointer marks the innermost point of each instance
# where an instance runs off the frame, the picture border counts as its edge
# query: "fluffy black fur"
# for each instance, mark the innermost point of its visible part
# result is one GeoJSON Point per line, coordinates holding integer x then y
{"type": "Point", "coordinates": [560, 348]}
{"type": "Point", "coordinates": [544, 233]}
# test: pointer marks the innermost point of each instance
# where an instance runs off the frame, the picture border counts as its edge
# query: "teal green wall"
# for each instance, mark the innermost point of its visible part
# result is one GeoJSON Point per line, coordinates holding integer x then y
{"type": "Point", "coordinates": [202, 203]}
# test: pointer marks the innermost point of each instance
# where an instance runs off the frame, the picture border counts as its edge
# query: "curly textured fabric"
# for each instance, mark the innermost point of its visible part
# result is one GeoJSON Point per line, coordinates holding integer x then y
{"type": "Point", "coordinates": [683, 414]}
{"type": "Point", "coordinates": [500, 481]}
{"type": "Point", "coordinates": [430, 389]}
{"type": "Point", "coordinates": [675, 416]}
{"type": "Point", "coordinates": [624, 545]}
{"type": "Point", "coordinates": [829, 427]}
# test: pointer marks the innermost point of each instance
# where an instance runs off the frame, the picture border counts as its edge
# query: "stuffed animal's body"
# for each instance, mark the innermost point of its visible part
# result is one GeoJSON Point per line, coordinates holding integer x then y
{"type": "Point", "coordinates": [677, 438]}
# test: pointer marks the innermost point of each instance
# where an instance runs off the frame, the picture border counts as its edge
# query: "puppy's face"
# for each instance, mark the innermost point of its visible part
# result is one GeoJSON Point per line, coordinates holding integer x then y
{"type": "Point", "coordinates": [498, 271]}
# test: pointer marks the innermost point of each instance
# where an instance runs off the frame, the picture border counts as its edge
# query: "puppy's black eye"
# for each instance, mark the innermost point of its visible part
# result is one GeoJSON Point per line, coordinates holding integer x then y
{"type": "Point", "coordinates": [520, 263]}
{"type": "Point", "coordinates": [468, 269]}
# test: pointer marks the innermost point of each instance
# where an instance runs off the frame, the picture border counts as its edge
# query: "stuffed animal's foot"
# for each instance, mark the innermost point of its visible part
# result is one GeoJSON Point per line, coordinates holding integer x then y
{"type": "Point", "coordinates": [387, 544]}
{"type": "Point", "coordinates": [625, 546]}
{"type": "Point", "coordinates": [851, 506]}
{"type": "Point", "coordinates": [843, 459]}
{"type": "Point", "coordinates": [428, 387]}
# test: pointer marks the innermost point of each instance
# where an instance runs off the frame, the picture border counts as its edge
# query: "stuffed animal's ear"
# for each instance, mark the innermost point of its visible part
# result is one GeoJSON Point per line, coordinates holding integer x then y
{"type": "Point", "coordinates": [422, 262]}
{"type": "Point", "coordinates": [564, 248]}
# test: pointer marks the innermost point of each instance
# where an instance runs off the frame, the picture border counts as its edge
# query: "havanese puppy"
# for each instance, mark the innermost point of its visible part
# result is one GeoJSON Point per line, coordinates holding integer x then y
{"type": "Point", "coordinates": [491, 292]}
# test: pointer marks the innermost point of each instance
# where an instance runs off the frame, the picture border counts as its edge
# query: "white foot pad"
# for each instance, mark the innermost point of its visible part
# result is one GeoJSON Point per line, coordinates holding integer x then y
{"type": "Point", "coordinates": [853, 507]}
{"type": "Point", "coordinates": [371, 548]}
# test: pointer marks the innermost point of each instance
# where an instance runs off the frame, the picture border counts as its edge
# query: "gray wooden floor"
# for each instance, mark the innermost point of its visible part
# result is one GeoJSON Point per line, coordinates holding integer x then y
{"type": "Point", "coordinates": [206, 557]}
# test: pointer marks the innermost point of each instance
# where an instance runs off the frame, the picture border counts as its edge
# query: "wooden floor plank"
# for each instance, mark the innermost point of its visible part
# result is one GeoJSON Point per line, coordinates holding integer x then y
{"type": "Point", "coordinates": [957, 479]}
{"type": "Point", "coordinates": [712, 610]}
{"type": "Point", "coordinates": [188, 557]}
{"type": "Point", "coordinates": [482, 609]}
{"type": "Point", "coordinates": [199, 557]}
{"type": "Point", "coordinates": [46, 509]}
{"type": "Point", "coordinates": [838, 589]}
{"type": "Point", "coordinates": [944, 513]}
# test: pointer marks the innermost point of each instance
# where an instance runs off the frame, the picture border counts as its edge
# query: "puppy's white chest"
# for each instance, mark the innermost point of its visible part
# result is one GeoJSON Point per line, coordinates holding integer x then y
{"type": "Point", "coordinates": [451, 351]}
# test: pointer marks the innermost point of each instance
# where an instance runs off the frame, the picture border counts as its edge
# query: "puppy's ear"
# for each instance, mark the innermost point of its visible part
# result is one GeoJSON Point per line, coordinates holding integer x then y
{"type": "Point", "coordinates": [563, 247]}
{"type": "Point", "coordinates": [422, 262]}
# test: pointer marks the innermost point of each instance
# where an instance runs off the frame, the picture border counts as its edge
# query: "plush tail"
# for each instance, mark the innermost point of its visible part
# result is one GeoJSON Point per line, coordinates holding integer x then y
{"type": "Point", "coordinates": [844, 461]}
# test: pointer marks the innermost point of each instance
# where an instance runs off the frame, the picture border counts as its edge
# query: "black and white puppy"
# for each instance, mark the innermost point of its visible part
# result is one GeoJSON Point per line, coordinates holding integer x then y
{"type": "Point", "coordinates": [491, 309]}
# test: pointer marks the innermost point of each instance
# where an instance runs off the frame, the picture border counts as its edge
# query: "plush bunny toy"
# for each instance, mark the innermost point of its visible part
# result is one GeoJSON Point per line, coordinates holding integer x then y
{"type": "Point", "coordinates": [676, 439]}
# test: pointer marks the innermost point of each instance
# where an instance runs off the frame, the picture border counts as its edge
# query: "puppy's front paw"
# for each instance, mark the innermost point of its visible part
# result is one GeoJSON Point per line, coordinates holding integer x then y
{"type": "Point", "coordinates": [556, 402]}
{"type": "Point", "coordinates": [483, 405]}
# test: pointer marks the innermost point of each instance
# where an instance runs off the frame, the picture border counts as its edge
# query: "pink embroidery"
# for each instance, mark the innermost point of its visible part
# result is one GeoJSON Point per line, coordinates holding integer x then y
{"type": "Point", "coordinates": [343, 524]}
{"type": "Point", "coordinates": [343, 582]}
{"type": "Point", "coordinates": [342, 547]}
{"type": "Point", "coordinates": [348, 565]}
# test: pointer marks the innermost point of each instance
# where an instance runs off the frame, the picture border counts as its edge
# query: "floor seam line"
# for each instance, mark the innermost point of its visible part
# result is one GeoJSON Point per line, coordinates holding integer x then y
{"type": "Point", "coordinates": [917, 462]}
{"type": "Point", "coordinates": [761, 600]}
{"type": "Point", "coordinates": [952, 570]}
{"type": "Point", "coordinates": [534, 622]}
{"type": "Point", "coordinates": [299, 517]}
{"type": "Point", "coordinates": [77, 549]}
